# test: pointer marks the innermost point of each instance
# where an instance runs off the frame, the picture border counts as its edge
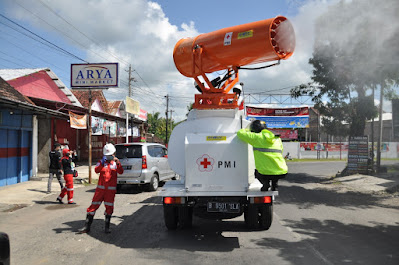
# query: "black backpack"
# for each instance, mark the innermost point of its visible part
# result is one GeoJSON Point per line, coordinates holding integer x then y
{"type": "Point", "coordinates": [55, 157]}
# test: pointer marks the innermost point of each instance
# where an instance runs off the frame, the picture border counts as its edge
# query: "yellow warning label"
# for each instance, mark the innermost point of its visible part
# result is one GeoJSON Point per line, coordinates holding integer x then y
{"type": "Point", "coordinates": [216, 138]}
{"type": "Point", "coordinates": [246, 34]}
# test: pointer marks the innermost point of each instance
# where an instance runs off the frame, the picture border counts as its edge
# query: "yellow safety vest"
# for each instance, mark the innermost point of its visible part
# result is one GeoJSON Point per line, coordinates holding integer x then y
{"type": "Point", "coordinates": [268, 151]}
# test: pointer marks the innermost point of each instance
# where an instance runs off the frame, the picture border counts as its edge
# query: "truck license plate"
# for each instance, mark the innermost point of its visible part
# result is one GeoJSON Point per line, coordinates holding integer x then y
{"type": "Point", "coordinates": [224, 207]}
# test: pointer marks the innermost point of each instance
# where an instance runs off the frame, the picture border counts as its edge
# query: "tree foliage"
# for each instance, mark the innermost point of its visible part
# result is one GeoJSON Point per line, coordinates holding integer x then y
{"type": "Point", "coordinates": [157, 125]}
{"type": "Point", "coordinates": [348, 63]}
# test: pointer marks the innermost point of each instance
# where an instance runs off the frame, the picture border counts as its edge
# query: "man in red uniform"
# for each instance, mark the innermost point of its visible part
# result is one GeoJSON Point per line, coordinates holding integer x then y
{"type": "Point", "coordinates": [108, 167]}
{"type": "Point", "coordinates": [66, 162]}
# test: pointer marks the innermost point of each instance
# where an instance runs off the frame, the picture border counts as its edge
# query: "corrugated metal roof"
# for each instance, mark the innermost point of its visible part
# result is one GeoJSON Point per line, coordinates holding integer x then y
{"type": "Point", "coordinates": [10, 74]}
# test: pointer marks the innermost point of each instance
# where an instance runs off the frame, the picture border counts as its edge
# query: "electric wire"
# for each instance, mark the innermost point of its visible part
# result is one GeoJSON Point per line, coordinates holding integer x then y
{"type": "Point", "coordinates": [55, 45]}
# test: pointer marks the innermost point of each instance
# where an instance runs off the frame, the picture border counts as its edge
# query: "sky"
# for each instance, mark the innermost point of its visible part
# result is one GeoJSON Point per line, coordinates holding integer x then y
{"type": "Point", "coordinates": [143, 33]}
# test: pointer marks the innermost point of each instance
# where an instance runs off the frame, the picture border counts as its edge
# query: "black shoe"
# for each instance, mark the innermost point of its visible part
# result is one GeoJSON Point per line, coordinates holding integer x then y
{"type": "Point", "coordinates": [107, 223]}
{"type": "Point", "coordinates": [274, 188]}
{"type": "Point", "coordinates": [265, 188]}
{"type": "Point", "coordinates": [71, 202]}
{"type": "Point", "coordinates": [59, 200]}
{"type": "Point", "coordinates": [86, 228]}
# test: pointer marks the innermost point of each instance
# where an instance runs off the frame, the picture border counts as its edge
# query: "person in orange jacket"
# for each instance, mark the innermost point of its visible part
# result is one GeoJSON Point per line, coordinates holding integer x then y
{"type": "Point", "coordinates": [66, 163]}
{"type": "Point", "coordinates": [109, 167]}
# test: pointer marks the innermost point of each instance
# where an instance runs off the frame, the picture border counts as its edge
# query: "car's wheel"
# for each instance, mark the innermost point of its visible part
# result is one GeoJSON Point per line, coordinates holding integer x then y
{"type": "Point", "coordinates": [170, 216]}
{"type": "Point", "coordinates": [154, 183]}
{"type": "Point", "coordinates": [251, 216]}
{"type": "Point", "coordinates": [266, 216]}
{"type": "Point", "coordinates": [185, 215]}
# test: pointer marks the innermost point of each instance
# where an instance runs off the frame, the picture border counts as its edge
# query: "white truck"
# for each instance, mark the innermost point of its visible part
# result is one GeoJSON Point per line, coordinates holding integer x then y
{"type": "Point", "coordinates": [216, 168]}
{"type": "Point", "coordinates": [216, 172]}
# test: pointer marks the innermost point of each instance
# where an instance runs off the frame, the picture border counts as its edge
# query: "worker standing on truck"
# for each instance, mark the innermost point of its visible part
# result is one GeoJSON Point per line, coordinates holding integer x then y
{"type": "Point", "coordinates": [109, 167]}
{"type": "Point", "coordinates": [268, 149]}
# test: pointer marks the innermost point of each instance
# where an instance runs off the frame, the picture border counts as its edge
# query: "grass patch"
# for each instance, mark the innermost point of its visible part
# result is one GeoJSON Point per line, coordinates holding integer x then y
{"type": "Point", "coordinates": [315, 160]}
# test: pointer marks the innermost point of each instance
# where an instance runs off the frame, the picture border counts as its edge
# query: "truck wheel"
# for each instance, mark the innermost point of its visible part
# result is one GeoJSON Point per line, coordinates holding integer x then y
{"type": "Point", "coordinates": [251, 216]}
{"type": "Point", "coordinates": [185, 214]}
{"type": "Point", "coordinates": [170, 217]}
{"type": "Point", "coordinates": [266, 216]}
{"type": "Point", "coordinates": [154, 183]}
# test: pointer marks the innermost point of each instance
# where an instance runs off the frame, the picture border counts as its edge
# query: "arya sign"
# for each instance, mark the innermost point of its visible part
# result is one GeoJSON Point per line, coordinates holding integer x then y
{"type": "Point", "coordinates": [100, 75]}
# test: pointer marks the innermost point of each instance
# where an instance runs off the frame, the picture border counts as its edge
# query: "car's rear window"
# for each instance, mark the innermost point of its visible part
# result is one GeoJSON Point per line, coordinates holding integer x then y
{"type": "Point", "coordinates": [129, 151]}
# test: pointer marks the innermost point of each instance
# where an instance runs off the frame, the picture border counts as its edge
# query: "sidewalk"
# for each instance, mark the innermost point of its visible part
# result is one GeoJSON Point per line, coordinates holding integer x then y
{"type": "Point", "coordinates": [381, 182]}
{"type": "Point", "coordinates": [23, 194]}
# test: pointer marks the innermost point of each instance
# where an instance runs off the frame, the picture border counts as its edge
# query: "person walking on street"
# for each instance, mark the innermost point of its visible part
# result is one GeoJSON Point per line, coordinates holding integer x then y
{"type": "Point", "coordinates": [66, 162]}
{"type": "Point", "coordinates": [55, 166]}
{"type": "Point", "coordinates": [268, 153]}
{"type": "Point", "coordinates": [109, 167]}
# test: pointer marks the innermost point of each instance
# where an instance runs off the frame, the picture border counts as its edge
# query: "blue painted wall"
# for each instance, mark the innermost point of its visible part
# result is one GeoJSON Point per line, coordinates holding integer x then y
{"type": "Point", "coordinates": [15, 146]}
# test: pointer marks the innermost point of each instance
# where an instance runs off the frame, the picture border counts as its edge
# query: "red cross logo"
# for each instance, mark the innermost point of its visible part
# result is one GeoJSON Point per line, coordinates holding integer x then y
{"type": "Point", "coordinates": [205, 163]}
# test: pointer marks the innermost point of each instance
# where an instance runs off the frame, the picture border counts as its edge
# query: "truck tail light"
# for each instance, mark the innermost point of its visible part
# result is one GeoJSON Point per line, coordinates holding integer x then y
{"type": "Point", "coordinates": [144, 162]}
{"type": "Point", "coordinates": [174, 200]}
{"type": "Point", "coordinates": [265, 199]}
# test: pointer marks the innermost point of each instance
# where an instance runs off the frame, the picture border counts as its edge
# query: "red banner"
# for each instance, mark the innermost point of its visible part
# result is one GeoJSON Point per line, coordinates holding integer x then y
{"type": "Point", "coordinates": [303, 111]}
{"type": "Point", "coordinates": [286, 134]}
{"type": "Point", "coordinates": [331, 147]}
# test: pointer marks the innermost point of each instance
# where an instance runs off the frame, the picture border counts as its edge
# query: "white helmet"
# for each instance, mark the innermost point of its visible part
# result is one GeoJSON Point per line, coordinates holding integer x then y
{"type": "Point", "coordinates": [109, 149]}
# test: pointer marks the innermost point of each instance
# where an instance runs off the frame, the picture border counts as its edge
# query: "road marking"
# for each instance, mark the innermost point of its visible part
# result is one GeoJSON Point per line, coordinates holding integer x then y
{"type": "Point", "coordinates": [298, 236]}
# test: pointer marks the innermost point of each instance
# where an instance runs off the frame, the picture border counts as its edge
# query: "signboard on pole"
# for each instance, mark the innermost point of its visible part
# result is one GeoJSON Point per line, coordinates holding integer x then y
{"type": "Point", "coordinates": [100, 75]}
{"type": "Point", "coordinates": [132, 106]}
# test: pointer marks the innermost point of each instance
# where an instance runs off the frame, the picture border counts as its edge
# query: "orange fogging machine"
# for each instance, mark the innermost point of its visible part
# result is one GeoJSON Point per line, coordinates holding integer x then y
{"type": "Point", "coordinates": [230, 49]}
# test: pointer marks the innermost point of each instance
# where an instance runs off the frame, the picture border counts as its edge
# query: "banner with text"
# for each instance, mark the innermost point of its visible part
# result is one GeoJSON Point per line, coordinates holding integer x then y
{"type": "Point", "coordinates": [280, 117]}
{"type": "Point", "coordinates": [78, 121]}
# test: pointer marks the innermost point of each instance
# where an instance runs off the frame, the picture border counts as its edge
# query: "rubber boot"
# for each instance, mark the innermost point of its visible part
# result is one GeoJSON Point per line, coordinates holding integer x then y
{"type": "Point", "coordinates": [274, 185]}
{"type": "Point", "coordinates": [86, 228]}
{"type": "Point", "coordinates": [107, 223]}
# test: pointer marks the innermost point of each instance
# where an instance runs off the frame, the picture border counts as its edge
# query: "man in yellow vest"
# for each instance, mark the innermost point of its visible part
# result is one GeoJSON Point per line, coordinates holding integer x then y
{"type": "Point", "coordinates": [268, 149]}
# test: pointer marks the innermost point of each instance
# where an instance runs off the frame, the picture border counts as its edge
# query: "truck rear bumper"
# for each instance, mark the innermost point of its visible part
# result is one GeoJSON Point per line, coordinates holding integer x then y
{"type": "Point", "coordinates": [178, 189]}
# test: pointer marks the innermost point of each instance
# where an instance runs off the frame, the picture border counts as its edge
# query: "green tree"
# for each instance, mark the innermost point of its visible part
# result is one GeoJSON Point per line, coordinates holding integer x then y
{"type": "Point", "coordinates": [157, 126]}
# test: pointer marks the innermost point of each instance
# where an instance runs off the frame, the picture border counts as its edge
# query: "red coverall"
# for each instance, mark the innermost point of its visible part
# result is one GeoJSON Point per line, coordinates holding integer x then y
{"type": "Point", "coordinates": [106, 188]}
{"type": "Point", "coordinates": [68, 176]}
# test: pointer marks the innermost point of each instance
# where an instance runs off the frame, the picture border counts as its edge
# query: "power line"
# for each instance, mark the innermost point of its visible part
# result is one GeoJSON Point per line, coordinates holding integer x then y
{"type": "Point", "coordinates": [55, 45]}
{"type": "Point", "coordinates": [88, 37]}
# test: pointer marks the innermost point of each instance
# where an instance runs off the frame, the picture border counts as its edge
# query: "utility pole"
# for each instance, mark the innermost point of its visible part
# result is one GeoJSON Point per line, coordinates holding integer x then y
{"type": "Point", "coordinates": [130, 95]}
{"type": "Point", "coordinates": [380, 130]}
{"type": "Point", "coordinates": [372, 134]}
{"type": "Point", "coordinates": [171, 121]}
{"type": "Point", "coordinates": [166, 114]}
{"type": "Point", "coordinates": [90, 147]}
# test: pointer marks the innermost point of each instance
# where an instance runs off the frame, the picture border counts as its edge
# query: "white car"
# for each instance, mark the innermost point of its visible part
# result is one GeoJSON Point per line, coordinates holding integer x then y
{"type": "Point", "coordinates": [143, 164]}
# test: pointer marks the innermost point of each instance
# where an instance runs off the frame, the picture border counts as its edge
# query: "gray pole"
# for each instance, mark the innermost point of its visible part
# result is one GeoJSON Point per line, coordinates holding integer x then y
{"type": "Point", "coordinates": [166, 113]}
{"type": "Point", "coordinates": [130, 95]}
{"type": "Point", "coordinates": [90, 147]}
{"type": "Point", "coordinates": [380, 130]}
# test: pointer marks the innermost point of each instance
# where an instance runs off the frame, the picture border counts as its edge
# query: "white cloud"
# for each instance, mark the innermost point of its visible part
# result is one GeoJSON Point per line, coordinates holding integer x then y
{"type": "Point", "coordinates": [139, 32]}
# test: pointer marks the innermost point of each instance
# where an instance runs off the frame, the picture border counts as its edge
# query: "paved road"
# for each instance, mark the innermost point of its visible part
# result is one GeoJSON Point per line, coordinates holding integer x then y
{"type": "Point", "coordinates": [313, 224]}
